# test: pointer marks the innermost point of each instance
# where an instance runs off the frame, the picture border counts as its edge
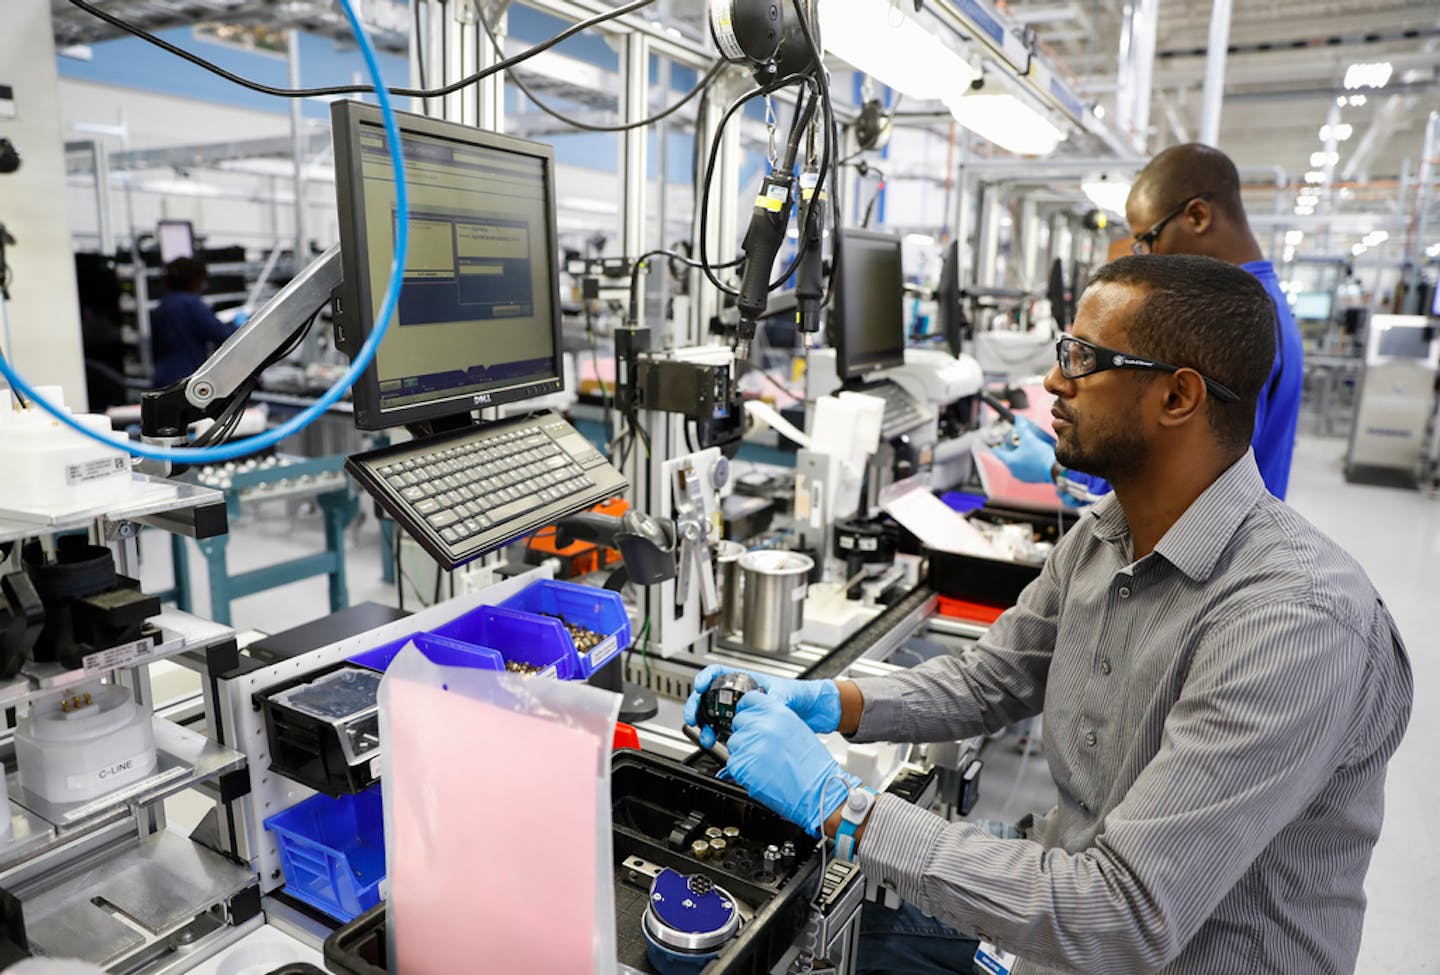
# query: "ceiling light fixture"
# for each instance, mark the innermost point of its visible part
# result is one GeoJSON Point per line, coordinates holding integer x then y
{"type": "Point", "coordinates": [1007, 121]}
{"type": "Point", "coordinates": [1107, 192]}
{"type": "Point", "coordinates": [1293, 237]}
{"type": "Point", "coordinates": [893, 48]}
{"type": "Point", "coordinates": [1339, 132]}
{"type": "Point", "coordinates": [1315, 176]}
{"type": "Point", "coordinates": [1371, 75]}
{"type": "Point", "coordinates": [1324, 158]}
{"type": "Point", "coordinates": [1358, 249]}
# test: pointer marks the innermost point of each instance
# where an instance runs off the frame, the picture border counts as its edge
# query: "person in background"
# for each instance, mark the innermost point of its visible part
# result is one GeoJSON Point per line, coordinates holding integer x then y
{"type": "Point", "coordinates": [1222, 686]}
{"type": "Point", "coordinates": [1187, 201]}
{"type": "Point", "coordinates": [183, 329]}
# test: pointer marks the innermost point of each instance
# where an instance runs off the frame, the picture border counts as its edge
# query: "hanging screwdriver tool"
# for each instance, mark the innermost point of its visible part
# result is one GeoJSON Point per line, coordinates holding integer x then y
{"type": "Point", "coordinates": [766, 232]}
{"type": "Point", "coordinates": [810, 275]}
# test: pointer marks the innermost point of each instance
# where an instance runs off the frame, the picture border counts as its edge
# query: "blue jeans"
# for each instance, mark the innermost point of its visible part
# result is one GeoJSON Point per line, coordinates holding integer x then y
{"type": "Point", "coordinates": [906, 942]}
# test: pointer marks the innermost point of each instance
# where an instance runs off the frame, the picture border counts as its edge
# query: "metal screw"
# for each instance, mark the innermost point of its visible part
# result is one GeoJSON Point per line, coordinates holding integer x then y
{"type": "Point", "coordinates": [714, 832]}
{"type": "Point", "coordinates": [732, 832]}
{"type": "Point", "coordinates": [700, 849]}
{"type": "Point", "coordinates": [717, 846]}
{"type": "Point", "coordinates": [202, 390]}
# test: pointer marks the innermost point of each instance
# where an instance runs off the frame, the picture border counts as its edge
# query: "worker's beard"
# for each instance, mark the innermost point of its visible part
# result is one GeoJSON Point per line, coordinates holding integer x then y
{"type": "Point", "coordinates": [1104, 446]}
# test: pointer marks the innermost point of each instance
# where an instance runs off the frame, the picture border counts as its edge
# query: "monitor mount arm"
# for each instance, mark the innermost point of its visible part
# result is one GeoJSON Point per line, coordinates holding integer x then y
{"type": "Point", "coordinates": [166, 414]}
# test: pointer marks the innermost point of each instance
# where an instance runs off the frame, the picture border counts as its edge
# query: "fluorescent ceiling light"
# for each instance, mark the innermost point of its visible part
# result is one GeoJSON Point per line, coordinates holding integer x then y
{"type": "Point", "coordinates": [892, 47]}
{"type": "Point", "coordinates": [1289, 255]}
{"type": "Point", "coordinates": [1374, 75]}
{"type": "Point", "coordinates": [1293, 237]}
{"type": "Point", "coordinates": [1433, 250]}
{"type": "Point", "coordinates": [1307, 200]}
{"type": "Point", "coordinates": [1375, 237]}
{"type": "Point", "coordinates": [1099, 111]}
{"type": "Point", "coordinates": [1006, 121]}
{"type": "Point", "coordinates": [1341, 132]}
{"type": "Point", "coordinates": [1324, 158]}
{"type": "Point", "coordinates": [1357, 100]}
{"type": "Point", "coordinates": [178, 187]}
{"type": "Point", "coordinates": [1301, 211]}
{"type": "Point", "coordinates": [1315, 176]}
{"type": "Point", "coordinates": [1358, 249]}
{"type": "Point", "coordinates": [920, 240]}
{"type": "Point", "coordinates": [1107, 193]}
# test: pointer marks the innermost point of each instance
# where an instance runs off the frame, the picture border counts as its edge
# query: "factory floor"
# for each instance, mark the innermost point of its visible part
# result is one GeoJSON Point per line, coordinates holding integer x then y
{"type": "Point", "coordinates": [1395, 534]}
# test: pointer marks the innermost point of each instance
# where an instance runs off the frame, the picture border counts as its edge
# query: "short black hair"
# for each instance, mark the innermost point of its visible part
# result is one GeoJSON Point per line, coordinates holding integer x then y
{"type": "Point", "coordinates": [186, 274]}
{"type": "Point", "coordinates": [1182, 172]}
{"type": "Point", "coordinates": [1209, 316]}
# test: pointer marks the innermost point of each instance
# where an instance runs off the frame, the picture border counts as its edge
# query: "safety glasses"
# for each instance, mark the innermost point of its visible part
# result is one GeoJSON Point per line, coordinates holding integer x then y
{"type": "Point", "coordinates": [1078, 358]}
{"type": "Point", "coordinates": [1145, 243]}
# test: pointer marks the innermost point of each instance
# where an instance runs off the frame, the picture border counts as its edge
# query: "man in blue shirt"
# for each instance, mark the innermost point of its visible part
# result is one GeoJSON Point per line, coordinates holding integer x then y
{"type": "Point", "coordinates": [183, 329]}
{"type": "Point", "coordinates": [1187, 201]}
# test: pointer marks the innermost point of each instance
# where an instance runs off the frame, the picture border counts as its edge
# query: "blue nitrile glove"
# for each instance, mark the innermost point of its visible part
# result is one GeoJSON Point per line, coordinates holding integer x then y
{"type": "Point", "coordinates": [817, 702]}
{"type": "Point", "coordinates": [779, 761]}
{"type": "Point", "coordinates": [1033, 458]}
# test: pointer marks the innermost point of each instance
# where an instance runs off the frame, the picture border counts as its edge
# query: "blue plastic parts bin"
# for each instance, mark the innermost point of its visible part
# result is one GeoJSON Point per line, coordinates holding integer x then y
{"type": "Point", "coordinates": [332, 852]}
{"type": "Point", "coordinates": [379, 657]}
{"type": "Point", "coordinates": [595, 609]}
{"type": "Point", "coordinates": [440, 650]}
{"type": "Point", "coordinates": [962, 502]}
{"type": "Point", "coordinates": [521, 637]}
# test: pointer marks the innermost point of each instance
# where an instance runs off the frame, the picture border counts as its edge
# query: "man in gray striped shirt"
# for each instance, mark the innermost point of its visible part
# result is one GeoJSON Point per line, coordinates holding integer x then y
{"type": "Point", "coordinates": [1221, 684]}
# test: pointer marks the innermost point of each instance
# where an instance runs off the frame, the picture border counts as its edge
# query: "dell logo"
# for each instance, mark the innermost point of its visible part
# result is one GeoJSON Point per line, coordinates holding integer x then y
{"type": "Point", "coordinates": [481, 399]}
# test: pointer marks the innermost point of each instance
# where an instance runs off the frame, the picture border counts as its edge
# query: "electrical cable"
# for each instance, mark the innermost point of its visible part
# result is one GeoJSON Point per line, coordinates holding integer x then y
{"type": "Point", "coordinates": [733, 107]}
{"type": "Point", "coordinates": [371, 89]}
{"type": "Point", "coordinates": [363, 358]}
{"type": "Point", "coordinates": [555, 113]}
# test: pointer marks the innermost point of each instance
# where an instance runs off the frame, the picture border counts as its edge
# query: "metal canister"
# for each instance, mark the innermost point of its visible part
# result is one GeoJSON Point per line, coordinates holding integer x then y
{"type": "Point", "coordinates": [775, 585]}
{"type": "Point", "coordinates": [727, 572]}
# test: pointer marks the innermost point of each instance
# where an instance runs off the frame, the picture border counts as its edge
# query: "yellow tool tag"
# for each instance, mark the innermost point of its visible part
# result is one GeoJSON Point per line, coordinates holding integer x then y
{"type": "Point", "coordinates": [768, 203]}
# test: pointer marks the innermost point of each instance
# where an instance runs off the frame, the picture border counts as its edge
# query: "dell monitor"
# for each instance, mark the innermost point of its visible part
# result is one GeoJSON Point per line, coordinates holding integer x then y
{"type": "Point", "coordinates": [867, 315]}
{"type": "Point", "coordinates": [478, 320]}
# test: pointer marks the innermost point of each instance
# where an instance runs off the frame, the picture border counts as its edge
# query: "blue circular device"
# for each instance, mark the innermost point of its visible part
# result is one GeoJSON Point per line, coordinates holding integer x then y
{"type": "Point", "coordinates": [688, 921]}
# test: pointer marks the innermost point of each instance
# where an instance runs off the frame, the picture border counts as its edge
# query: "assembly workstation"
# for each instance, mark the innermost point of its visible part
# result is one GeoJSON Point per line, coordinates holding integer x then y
{"type": "Point", "coordinates": [753, 598]}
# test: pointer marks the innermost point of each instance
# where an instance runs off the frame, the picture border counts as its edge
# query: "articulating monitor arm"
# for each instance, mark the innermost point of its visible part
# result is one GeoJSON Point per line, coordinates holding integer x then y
{"type": "Point", "coordinates": [165, 414]}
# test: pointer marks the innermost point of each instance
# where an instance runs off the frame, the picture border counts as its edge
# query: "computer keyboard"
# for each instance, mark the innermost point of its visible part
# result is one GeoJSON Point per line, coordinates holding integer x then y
{"type": "Point", "coordinates": [902, 413]}
{"type": "Point", "coordinates": [464, 493]}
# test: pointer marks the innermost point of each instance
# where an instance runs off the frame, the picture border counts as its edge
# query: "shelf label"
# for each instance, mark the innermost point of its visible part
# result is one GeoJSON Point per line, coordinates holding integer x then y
{"type": "Point", "coordinates": [122, 795]}
{"type": "Point", "coordinates": [122, 656]}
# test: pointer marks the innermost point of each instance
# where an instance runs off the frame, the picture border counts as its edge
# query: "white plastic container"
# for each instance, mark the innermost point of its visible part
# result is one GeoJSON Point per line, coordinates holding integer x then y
{"type": "Point", "coordinates": [50, 468]}
{"type": "Point", "coordinates": [84, 743]}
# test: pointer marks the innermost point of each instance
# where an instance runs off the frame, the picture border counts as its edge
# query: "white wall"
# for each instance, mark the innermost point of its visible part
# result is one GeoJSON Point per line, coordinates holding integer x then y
{"type": "Point", "coordinates": [43, 310]}
{"type": "Point", "coordinates": [245, 210]}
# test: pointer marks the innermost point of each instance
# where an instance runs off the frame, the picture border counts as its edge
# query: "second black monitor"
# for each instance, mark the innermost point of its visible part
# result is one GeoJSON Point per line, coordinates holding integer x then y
{"type": "Point", "coordinates": [867, 317]}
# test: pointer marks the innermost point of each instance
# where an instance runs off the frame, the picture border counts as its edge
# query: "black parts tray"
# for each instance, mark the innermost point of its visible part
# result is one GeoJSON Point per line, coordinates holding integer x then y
{"type": "Point", "coordinates": [309, 748]}
{"type": "Point", "coordinates": [650, 796]}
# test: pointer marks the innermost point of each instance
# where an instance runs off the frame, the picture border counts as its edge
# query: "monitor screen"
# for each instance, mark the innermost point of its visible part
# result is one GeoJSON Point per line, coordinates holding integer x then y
{"type": "Point", "coordinates": [1312, 306]}
{"type": "Point", "coordinates": [1405, 341]}
{"type": "Point", "coordinates": [478, 320]}
{"type": "Point", "coordinates": [175, 238]}
{"type": "Point", "coordinates": [867, 319]}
